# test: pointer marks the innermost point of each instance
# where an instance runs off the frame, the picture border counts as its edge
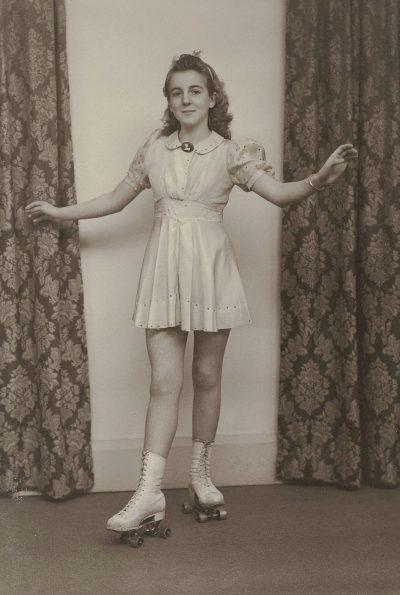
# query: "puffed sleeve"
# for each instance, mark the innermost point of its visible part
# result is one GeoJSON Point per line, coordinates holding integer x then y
{"type": "Point", "coordinates": [137, 176]}
{"type": "Point", "coordinates": [246, 162]}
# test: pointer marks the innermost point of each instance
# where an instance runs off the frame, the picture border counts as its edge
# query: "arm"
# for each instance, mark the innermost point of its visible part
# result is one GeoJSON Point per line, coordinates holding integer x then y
{"type": "Point", "coordinates": [106, 204]}
{"type": "Point", "coordinates": [284, 194]}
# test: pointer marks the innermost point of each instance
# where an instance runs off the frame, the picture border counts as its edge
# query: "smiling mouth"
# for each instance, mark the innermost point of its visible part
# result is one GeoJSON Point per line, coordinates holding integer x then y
{"type": "Point", "coordinates": [188, 111]}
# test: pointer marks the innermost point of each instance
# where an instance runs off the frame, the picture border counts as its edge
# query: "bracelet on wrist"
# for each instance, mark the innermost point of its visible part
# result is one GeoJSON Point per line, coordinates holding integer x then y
{"type": "Point", "coordinates": [318, 188]}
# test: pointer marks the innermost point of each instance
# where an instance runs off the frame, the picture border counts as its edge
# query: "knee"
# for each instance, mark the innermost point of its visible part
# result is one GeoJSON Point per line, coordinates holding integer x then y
{"type": "Point", "coordinates": [165, 385]}
{"type": "Point", "coordinates": [205, 377]}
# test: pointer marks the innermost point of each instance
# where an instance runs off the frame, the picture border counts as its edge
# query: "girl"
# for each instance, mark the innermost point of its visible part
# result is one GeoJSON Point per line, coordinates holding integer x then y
{"type": "Point", "coordinates": [189, 279]}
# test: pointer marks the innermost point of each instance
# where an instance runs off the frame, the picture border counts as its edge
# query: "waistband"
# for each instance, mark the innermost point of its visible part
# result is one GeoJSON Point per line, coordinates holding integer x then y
{"type": "Point", "coordinates": [185, 209]}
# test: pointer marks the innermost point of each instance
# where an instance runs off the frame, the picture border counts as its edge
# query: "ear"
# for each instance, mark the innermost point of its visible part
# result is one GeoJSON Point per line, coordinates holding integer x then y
{"type": "Point", "coordinates": [212, 100]}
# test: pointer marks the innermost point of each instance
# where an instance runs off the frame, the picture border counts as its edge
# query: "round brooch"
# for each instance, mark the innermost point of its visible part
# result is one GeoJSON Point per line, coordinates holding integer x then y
{"type": "Point", "coordinates": [187, 147]}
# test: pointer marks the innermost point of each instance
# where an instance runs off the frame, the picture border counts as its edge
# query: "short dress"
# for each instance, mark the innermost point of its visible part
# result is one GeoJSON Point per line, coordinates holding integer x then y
{"type": "Point", "coordinates": [189, 276]}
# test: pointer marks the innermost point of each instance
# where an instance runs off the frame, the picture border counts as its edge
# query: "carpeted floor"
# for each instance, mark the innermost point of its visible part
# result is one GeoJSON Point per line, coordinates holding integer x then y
{"type": "Point", "coordinates": [278, 539]}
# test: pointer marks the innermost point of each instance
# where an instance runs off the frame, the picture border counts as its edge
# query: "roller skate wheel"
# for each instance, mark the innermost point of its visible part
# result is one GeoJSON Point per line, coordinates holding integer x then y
{"type": "Point", "coordinates": [222, 514]}
{"type": "Point", "coordinates": [124, 537]}
{"type": "Point", "coordinates": [165, 532]}
{"type": "Point", "coordinates": [201, 517]}
{"type": "Point", "coordinates": [187, 508]}
{"type": "Point", "coordinates": [152, 529]}
{"type": "Point", "coordinates": [135, 541]}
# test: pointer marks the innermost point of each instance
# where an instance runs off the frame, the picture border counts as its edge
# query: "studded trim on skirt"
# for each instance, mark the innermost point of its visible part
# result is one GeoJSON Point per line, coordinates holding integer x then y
{"type": "Point", "coordinates": [189, 275]}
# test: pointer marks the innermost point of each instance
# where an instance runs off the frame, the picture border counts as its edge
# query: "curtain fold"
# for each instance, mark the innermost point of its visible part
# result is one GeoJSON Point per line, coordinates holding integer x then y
{"type": "Point", "coordinates": [339, 409]}
{"type": "Point", "coordinates": [44, 386]}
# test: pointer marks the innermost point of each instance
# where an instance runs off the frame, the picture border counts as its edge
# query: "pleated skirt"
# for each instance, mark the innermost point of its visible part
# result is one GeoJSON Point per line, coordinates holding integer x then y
{"type": "Point", "coordinates": [189, 276]}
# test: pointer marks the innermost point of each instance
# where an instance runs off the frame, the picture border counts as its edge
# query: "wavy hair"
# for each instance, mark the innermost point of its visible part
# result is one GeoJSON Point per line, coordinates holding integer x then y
{"type": "Point", "coordinates": [219, 118]}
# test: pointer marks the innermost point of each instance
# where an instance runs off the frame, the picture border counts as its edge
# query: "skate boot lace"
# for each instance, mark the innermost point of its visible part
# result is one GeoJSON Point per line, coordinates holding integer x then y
{"type": "Point", "coordinates": [141, 485]}
{"type": "Point", "coordinates": [205, 467]}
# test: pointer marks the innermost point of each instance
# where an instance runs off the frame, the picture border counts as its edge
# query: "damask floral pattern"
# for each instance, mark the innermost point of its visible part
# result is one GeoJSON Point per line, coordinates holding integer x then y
{"type": "Point", "coordinates": [340, 349]}
{"type": "Point", "coordinates": [44, 387]}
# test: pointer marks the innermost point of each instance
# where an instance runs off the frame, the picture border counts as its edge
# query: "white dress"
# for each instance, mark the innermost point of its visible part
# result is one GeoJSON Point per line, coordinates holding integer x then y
{"type": "Point", "coordinates": [189, 275]}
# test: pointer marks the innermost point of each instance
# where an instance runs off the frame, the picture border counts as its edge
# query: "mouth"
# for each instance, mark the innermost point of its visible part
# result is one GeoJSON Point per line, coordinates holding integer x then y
{"type": "Point", "coordinates": [188, 111]}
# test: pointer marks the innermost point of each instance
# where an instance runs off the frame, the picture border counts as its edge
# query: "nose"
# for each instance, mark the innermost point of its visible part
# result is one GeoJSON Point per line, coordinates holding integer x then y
{"type": "Point", "coordinates": [186, 98]}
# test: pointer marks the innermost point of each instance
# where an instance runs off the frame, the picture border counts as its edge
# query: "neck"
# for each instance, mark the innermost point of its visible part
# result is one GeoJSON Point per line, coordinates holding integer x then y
{"type": "Point", "coordinates": [194, 135]}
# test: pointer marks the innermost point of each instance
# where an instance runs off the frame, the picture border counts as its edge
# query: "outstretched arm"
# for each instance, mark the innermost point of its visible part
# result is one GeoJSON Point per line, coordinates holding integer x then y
{"type": "Point", "coordinates": [284, 194]}
{"type": "Point", "coordinates": [106, 204]}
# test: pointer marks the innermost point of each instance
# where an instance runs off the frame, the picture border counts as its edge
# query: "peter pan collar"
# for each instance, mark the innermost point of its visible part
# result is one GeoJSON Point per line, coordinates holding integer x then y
{"type": "Point", "coordinates": [205, 146]}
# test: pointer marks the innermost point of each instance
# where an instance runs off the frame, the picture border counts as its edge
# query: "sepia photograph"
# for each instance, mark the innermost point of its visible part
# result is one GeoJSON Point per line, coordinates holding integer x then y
{"type": "Point", "coordinates": [199, 297]}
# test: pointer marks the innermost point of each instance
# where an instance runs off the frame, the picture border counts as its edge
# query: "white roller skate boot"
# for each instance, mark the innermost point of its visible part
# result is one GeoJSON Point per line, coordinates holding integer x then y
{"type": "Point", "coordinates": [146, 509]}
{"type": "Point", "coordinates": [206, 500]}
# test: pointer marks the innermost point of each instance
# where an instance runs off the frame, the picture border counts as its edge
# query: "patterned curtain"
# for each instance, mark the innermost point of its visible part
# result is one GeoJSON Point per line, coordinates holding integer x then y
{"type": "Point", "coordinates": [44, 390]}
{"type": "Point", "coordinates": [339, 412]}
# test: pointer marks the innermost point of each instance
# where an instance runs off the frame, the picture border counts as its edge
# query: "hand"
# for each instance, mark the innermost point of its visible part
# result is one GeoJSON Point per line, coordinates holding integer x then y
{"type": "Point", "coordinates": [336, 164]}
{"type": "Point", "coordinates": [39, 210]}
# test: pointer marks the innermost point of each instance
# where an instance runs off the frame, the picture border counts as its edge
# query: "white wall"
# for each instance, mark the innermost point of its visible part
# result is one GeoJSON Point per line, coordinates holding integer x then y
{"type": "Point", "coordinates": [118, 53]}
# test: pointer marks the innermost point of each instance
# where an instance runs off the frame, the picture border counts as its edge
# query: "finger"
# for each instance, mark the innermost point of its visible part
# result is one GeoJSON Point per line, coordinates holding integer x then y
{"type": "Point", "coordinates": [350, 150]}
{"type": "Point", "coordinates": [343, 152]}
{"type": "Point", "coordinates": [349, 154]}
{"type": "Point", "coordinates": [37, 211]}
{"type": "Point", "coordinates": [33, 204]}
{"type": "Point", "coordinates": [349, 157]}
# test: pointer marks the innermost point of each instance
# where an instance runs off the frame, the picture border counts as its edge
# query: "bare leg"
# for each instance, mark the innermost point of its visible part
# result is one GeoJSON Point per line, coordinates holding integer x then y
{"type": "Point", "coordinates": [166, 349]}
{"type": "Point", "coordinates": [208, 355]}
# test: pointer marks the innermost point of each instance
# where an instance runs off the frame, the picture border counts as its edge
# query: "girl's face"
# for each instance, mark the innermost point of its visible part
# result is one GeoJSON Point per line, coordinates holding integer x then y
{"type": "Point", "coordinates": [189, 99]}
